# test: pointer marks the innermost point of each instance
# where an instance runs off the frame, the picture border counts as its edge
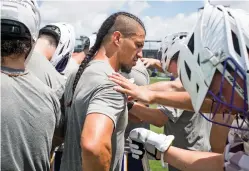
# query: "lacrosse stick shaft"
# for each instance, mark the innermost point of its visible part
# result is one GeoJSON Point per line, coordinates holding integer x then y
{"type": "Point", "coordinates": [145, 162]}
{"type": "Point", "coordinates": [125, 161]}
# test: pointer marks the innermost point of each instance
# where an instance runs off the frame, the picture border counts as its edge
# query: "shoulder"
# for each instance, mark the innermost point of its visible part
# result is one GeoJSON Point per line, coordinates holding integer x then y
{"type": "Point", "coordinates": [97, 73]}
{"type": "Point", "coordinates": [139, 73]}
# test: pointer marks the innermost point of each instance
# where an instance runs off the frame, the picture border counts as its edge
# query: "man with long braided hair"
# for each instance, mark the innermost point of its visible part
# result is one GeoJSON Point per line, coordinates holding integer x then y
{"type": "Point", "coordinates": [96, 114]}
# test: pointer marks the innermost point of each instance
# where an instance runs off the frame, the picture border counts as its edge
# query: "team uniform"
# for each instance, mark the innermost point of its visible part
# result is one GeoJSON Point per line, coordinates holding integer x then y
{"type": "Point", "coordinates": [94, 94]}
{"type": "Point", "coordinates": [42, 69]}
{"type": "Point", "coordinates": [29, 113]}
{"type": "Point", "coordinates": [30, 110]}
{"type": "Point", "coordinates": [141, 77]}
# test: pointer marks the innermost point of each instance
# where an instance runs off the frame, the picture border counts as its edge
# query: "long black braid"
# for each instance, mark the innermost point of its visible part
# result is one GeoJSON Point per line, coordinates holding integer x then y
{"type": "Point", "coordinates": [102, 32]}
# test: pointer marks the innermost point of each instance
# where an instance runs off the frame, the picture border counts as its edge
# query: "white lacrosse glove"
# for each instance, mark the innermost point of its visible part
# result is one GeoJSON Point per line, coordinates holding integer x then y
{"type": "Point", "coordinates": [141, 140]}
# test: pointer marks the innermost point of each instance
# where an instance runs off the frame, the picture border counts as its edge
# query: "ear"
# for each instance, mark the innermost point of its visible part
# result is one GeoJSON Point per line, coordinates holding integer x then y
{"type": "Point", "coordinates": [116, 38]}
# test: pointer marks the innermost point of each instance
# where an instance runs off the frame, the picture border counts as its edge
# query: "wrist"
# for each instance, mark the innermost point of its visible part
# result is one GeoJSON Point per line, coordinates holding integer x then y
{"type": "Point", "coordinates": [152, 97]}
{"type": "Point", "coordinates": [158, 155]}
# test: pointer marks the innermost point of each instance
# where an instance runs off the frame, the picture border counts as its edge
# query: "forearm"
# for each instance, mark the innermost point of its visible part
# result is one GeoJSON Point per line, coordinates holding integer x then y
{"type": "Point", "coordinates": [219, 133]}
{"type": "Point", "coordinates": [158, 66]}
{"type": "Point", "coordinates": [194, 160]}
{"type": "Point", "coordinates": [179, 100]}
{"type": "Point", "coordinates": [149, 115]}
{"type": "Point", "coordinates": [96, 143]}
{"type": "Point", "coordinates": [97, 159]}
{"type": "Point", "coordinates": [166, 86]}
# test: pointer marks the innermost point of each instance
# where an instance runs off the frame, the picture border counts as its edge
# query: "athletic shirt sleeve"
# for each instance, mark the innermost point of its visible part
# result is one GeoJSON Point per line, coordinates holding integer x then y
{"type": "Point", "coordinates": [172, 113]}
{"type": "Point", "coordinates": [108, 102]}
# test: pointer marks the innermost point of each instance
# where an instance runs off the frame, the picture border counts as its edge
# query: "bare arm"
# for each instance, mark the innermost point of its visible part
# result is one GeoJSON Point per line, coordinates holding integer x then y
{"type": "Point", "coordinates": [187, 160]}
{"type": "Point", "coordinates": [179, 100]}
{"type": "Point", "coordinates": [96, 142]}
{"type": "Point", "coordinates": [219, 134]}
{"type": "Point", "coordinates": [154, 63]}
{"type": "Point", "coordinates": [175, 85]}
{"type": "Point", "coordinates": [149, 115]}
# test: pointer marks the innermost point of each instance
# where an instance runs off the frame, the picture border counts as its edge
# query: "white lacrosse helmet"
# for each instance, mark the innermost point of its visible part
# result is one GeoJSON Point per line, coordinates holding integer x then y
{"type": "Point", "coordinates": [65, 37]}
{"type": "Point", "coordinates": [219, 43]}
{"type": "Point", "coordinates": [170, 49]}
{"type": "Point", "coordinates": [15, 14]}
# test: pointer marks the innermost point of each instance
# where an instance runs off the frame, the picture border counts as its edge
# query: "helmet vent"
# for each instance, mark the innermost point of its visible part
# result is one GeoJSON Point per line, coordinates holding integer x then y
{"type": "Point", "coordinates": [182, 36]}
{"type": "Point", "coordinates": [61, 50]}
{"type": "Point", "coordinates": [236, 43]}
{"type": "Point", "coordinates": [68, 43]}
{"type": "Point", "coordinates": [165, 50]}
{"type": "Point", "coordinates": [247, 49]}
{"type": "Point", "coordinates": [198, 59]}
{"type": "Point", "coordinates": [191, 44]}
{"type": "Point", "coordinates": [180, 76]}
{"type": "Point", "coordinates": [230, 14]}
{"type": "Point", "coordinates": [197, 88]}
{"type": "Point", "coordinates": [175, 56]}
{"type": "Point", "coordinates": [219, 9]}
{"type": "Point", "coordinates": [187, 70]}
{"type": "Point", "coordinates": [165, 58]}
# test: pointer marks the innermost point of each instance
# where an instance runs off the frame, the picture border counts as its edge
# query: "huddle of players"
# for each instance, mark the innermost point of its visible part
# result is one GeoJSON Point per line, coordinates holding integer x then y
{"type": "Point", "coordinates": [95, 113]}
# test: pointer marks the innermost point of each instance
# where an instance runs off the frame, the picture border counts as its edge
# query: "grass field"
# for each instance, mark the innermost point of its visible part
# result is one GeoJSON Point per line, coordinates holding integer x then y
{"type": "Point", "coordinates": [156, 165]}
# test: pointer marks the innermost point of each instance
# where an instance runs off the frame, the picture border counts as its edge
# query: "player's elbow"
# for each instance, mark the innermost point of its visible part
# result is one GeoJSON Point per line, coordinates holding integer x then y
{"type": "Point", "coordinates": [95, 148]}
{"type": "Point", "coordinates": [159, 123]}
{"type": "Point", "coordinates": [159, 118]}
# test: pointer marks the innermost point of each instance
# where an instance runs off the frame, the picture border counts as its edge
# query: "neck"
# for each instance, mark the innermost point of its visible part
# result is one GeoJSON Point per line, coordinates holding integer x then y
{"type": "Point", "coordinates": [14, 61]}
{"type": "Point", "coordinates": [42, 46]}
{"type": "Point", "coordinates": [110, 56]}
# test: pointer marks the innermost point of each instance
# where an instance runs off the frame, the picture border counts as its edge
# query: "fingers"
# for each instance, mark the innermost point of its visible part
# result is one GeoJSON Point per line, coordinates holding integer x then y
{"type": "Point", "coordinates": [130, 98]}
{"type": "Point", "coordinates": [146, 62]}
{"type": "Point", "coordinates": [119, 79]}
{"type": "Point", "coordinates": [135, 156]}
{"type": "Point", "coordinates": [147, 65]}
{"type": "Point", "coordinates": [123, 84]}
{"type": "Point", "coordinates": [137, 149]}
{"type": "Point", "coordinates": [123, 90]}
{"type": "Point", "coordinates": [122, 81]}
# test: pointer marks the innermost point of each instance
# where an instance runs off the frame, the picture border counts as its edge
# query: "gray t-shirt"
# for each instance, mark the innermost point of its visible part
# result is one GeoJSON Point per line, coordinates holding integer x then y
{"type": "Point", "coordinates": [71, 66]}
{"type": "Point", "coordinates": [94, 94]}
{"type": "Point", "coordinates": [190, 129]}
{"type": "Point", "coordinates": [46, 72]}
{"type": "Point", "coordinates": [29, 114]}
{"type": "Point", "coordinates": [141, 77]}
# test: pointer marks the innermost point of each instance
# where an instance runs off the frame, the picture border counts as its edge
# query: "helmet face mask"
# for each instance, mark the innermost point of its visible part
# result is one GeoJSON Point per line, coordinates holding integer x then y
{"type": "Point", "coordinates": [217, 46]}
{"type": "Point", "coordinates": [234, 81]}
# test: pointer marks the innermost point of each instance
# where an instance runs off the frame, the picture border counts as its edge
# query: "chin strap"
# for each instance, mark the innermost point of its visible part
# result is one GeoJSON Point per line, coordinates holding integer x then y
{"type": "Point", "coordinates": [164, 164]}
{"type": "Point", "coordinates": [168, 144]}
